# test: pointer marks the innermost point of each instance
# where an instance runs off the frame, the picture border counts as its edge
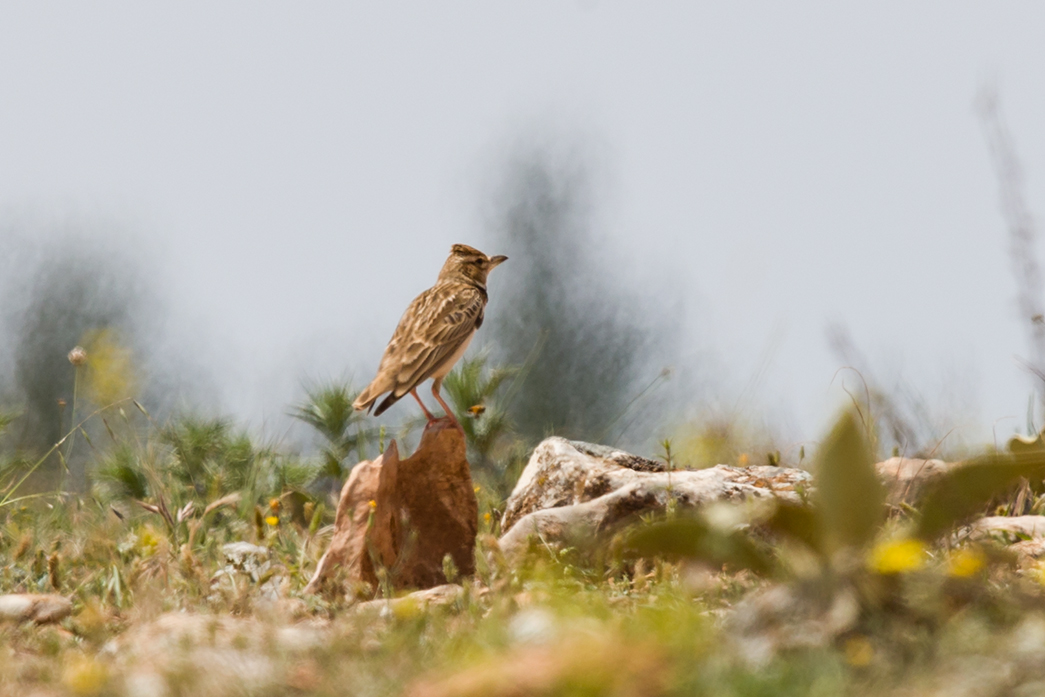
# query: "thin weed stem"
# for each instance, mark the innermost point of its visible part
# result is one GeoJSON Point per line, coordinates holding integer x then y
{"type": "Point", "coordinates": [72, 434]}
{"type": "Point", "coordinates": [7, 497]}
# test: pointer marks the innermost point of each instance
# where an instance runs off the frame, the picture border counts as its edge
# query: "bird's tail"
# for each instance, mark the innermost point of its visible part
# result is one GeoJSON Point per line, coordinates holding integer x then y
{"type": "Point", "coordinates": [366, 398]}
{"type": "Point", "coordinates": [386, 402]}
{"type": "Point", "coordinates": [375, 389]}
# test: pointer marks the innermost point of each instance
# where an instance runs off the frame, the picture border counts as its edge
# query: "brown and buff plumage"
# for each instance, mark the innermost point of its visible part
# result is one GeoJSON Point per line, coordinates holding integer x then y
{"type": "Point", "coordinates": [434, 332]}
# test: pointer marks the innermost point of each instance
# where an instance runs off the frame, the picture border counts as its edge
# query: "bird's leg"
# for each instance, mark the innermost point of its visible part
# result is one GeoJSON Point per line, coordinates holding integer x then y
{"type": "Point", "coordinates": [436, 385]}
{"type": "Point", "coordinates": [428, 414]}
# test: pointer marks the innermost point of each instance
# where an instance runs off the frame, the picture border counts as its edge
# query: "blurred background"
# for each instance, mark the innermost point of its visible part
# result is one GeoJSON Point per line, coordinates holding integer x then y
{"type": "Point", "coordinates": [720, 220]}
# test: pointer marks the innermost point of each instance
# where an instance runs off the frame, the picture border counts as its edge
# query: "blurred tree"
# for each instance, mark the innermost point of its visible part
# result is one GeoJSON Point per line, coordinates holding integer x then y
{"type": "Point", "coordinates": [56, 292]}
{"type": "Point", "coordinates": [561, 311]}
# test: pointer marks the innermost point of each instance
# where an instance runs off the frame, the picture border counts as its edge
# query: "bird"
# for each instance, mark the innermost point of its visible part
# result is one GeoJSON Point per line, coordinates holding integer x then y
{"type": "Point", "coordinates": [433, 333]}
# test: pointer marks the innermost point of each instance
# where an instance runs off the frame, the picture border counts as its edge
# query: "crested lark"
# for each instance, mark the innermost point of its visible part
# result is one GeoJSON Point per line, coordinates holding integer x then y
{"type": "Point", "coordinates": [434, 332]}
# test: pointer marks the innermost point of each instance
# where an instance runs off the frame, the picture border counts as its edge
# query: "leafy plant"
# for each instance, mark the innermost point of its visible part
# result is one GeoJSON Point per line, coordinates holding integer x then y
{"type": "Point", "coordinates": [122, 472]}
{"type": "Point", "coordinates": [840, 543]}
{"type": "Point", "coordinates": [695, 539]}
{"type": "Point", "coordinates": [209, 455]}
{"type": "Point", "coordinates": [473, 389]}
{"type": "Point", "coordinates": [845, 515]}
{"type": "Point", "coordinates": [965, 491]}
{"type": "Point", "coordinates": [328, 410]}
{"type": "Point", "coordinates": [850, 500]}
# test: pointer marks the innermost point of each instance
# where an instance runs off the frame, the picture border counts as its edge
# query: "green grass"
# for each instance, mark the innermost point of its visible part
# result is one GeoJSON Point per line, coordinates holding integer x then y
{"type": "Point", "coordinates": [646, 630]}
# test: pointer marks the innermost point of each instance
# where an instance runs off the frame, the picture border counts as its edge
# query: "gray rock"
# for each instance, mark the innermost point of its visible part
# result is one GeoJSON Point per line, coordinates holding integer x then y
{"type": "Point", "coordinates": [243, 556]}
{"type": "Point", "coordinates": [215, 655]}
{"type": "Point", "coordinates": [251, 561]}
{"type": "Point", "coordinates": [582, 489]}
{"type": "Point", "coordinates": [1023, 534]}
{"type": "Point", "coordinates": [783, 617]}
{"type": "Point", "coordinates": [1030, 527]}
{"type": "Point", "coordinates": [906, 478]}
{"type": "Point", "coordinates": [632, 462]}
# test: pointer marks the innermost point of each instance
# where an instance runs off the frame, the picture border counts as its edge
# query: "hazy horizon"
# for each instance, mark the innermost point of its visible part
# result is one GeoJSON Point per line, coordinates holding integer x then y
{"type": "Point", "coordinates": [289, 178]}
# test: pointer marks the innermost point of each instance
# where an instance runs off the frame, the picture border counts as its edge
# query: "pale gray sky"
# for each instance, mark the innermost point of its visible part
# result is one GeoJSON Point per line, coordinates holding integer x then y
{"type": "Point", "coordinates": [302, 168]}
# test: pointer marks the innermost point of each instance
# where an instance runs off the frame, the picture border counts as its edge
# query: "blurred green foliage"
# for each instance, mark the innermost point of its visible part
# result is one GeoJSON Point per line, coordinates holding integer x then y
{"type": "Point", "coordinates": [905, 570]}
{"type": "Point", "coordinates": [208, 455]}
{"type": "Point", "coordinates": [968, 490]}
{"type": "Point", "coordinates": [849, 496]}
{"type": "Point", "coordinates": [328, 410]}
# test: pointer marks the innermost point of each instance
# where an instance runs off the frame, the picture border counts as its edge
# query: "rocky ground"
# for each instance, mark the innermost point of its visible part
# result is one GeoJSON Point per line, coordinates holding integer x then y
{"type": "Point", "coordinates": [568, 598]}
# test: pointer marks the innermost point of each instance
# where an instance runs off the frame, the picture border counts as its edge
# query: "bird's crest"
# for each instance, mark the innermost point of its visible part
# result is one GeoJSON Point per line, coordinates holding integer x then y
{"type": "Point", "coordinates": [465, 250]}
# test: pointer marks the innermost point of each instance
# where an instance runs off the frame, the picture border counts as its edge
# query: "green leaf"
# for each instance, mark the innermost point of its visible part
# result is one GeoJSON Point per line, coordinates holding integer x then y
{"type": "Point", "coordinates": [849, 496]}
{"type": "Point", "coordinates": [964, 491]}
{"type": "Point", "coordinates": [328, 409]}
{"type": "Point", "coordinates": [799, 522]}
{"type": "Point", "coordinates": [690, 538]}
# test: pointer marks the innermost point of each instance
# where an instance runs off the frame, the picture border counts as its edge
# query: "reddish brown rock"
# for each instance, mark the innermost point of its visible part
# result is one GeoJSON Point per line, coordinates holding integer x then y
{"type": "Point", "coordinates": [348, 546]}
{"type": "Point", "coordinates": [406, 515]}
{"type": "Point", "coordinates": [33, 607]}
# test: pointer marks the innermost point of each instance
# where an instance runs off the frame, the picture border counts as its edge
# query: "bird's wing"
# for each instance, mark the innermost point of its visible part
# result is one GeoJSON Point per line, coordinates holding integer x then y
{"type": "Point", "coordinates": [435, 325]}
{"type": "Point", "coordinates": [449, 322]}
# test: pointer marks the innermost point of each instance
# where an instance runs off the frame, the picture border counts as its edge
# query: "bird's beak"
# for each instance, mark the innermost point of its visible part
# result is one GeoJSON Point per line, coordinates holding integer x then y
{"type": "Point", "coordinates": [497, 260]}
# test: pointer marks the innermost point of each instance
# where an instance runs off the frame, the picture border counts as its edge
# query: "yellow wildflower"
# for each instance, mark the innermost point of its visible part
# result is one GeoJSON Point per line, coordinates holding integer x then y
{"type": "Point", "coordinates": [858, 651]}
{"type": "Point", "coordinates": [85, 676]}
{"type": "Point", "coordinates": [274, 504]}
{"type": "Point", "coordinates": [373, 504]}
{"type": "Point", "coordinates": [966, 562]}
{"type": "Point", "coordinates": [149, 540]}
{"type": "Point", "coordinates": [1037, 572]}
{"type": "Point", "coordinates": [272, 520]}
{"type": "Point", "coordinates": [897, 556]}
